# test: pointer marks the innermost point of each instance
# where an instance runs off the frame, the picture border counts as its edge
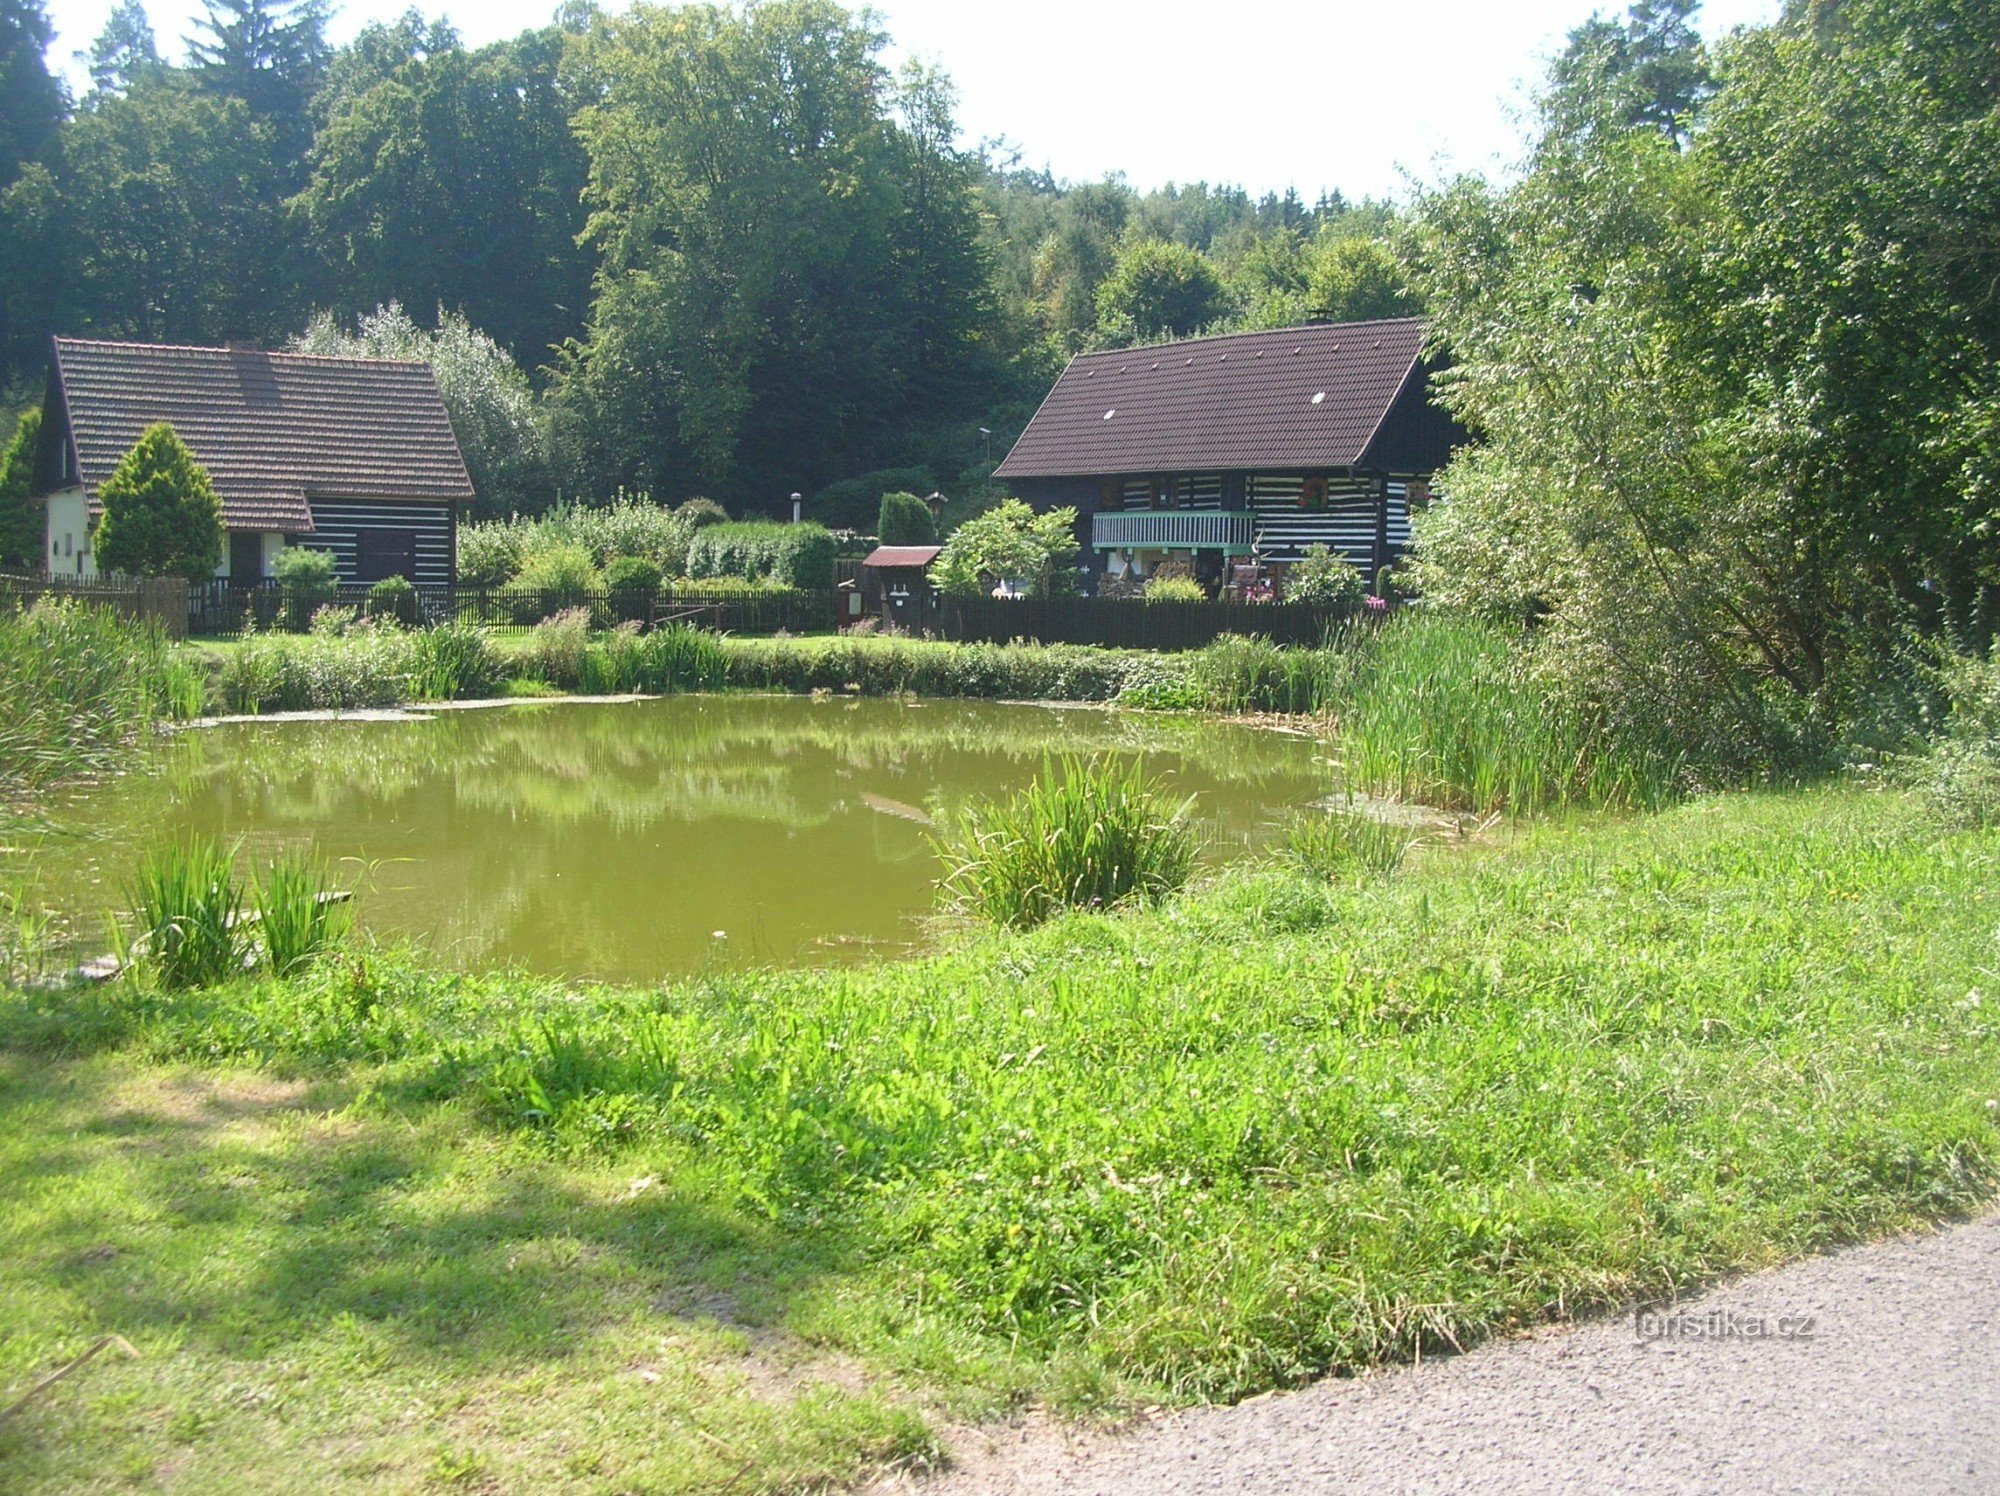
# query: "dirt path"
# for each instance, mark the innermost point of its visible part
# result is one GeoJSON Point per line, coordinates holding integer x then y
{"type": "Point", "coordinates": [1893, 1386]}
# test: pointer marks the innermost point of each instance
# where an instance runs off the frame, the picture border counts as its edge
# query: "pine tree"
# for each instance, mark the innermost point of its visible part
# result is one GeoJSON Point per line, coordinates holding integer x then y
{"type": "Point", "coordinates": [161, 515]}
{"type": "Point", "coordinates": [905, 519]}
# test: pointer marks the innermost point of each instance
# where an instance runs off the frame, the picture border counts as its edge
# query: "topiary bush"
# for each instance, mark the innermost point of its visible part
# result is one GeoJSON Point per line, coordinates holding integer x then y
{"type": "Point", "coordinates": [1169, 589]}
{"type": "Point", "coordinates": [905, 519]}
{"type": "Point", "coordinates": [305, 583]}
{"type": "Point", "coordinates": [701, 513]}
{"type": "Point", "coordinates": [790, 555]}
{"type": "Point", "coordinates": [396, 599]}
{"type": "Point", "coordinates": [854, 503]}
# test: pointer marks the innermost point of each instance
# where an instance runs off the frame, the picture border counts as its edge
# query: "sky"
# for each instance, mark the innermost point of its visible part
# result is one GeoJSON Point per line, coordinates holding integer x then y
{"type": "Point", "coordinates": [1318, 95]}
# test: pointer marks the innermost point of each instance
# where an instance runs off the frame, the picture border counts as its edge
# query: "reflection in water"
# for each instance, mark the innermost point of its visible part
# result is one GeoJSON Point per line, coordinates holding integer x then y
{"type": "Point", "coordinates": [613, 841]}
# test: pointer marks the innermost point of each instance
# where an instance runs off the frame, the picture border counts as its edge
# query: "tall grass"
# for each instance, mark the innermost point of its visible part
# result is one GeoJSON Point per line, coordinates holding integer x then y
{"type": "Point", "coordinates": [186, 897]}
{"type": "Point", "coordinates": [298, 919]}
{"type": "Point", "coordinates": [1341, 843]}
{"type": "Point", "coordinates": [77, 687]}
{"type": "Point", "coordinates": [1448, 711]}
{"type": "Point", "coordinates": [1080, 836]}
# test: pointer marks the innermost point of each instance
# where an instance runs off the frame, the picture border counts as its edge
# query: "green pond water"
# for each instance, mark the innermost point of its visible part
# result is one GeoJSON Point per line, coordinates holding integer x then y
{"type": "Point", "coordinates": [638, 840]}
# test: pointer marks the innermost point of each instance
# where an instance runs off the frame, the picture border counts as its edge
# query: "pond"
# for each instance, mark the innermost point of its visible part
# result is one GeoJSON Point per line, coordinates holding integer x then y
{"type": "Point", "coordinates": [637, 840]}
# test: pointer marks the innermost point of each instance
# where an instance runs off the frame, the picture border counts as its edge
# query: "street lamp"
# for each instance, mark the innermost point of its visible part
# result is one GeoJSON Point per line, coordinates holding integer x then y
{"type": "Point", "coordinates": [986, 435]}
{"type": "Point", "coordinates": [797, 500]}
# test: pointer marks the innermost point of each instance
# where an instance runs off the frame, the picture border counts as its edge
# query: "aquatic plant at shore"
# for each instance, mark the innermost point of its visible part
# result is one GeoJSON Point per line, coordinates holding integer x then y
{"type": "Point", "coordinates": [186, 900]}
{"type": "Point", "coordinates": [1081, 835]}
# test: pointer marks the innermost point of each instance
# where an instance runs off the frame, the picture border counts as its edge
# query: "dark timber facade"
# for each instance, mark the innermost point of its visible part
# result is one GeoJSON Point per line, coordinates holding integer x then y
{"type": "Point", "coordinates": [350, 456]}
{"type": "Point", "coordinates": [1245, 448]}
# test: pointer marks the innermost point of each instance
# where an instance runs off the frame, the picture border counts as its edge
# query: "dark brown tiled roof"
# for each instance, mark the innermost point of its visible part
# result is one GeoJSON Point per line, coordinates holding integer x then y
{"type": "Point", "coordinates": [273, 429]}
{"type": "Point", "coordinates": [902, 555]}
{"type": "Point", "coordinates": [1297, 397]}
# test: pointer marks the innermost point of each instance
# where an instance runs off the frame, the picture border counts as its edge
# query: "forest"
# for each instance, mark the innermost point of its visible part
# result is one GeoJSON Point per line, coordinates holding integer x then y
{"type": "Point", "coordinates": [684, 251]}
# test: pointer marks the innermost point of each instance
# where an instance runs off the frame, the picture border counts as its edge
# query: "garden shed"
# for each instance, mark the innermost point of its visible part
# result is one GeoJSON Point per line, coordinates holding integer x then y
{"type": "Point", "coordinates": [895, 583]}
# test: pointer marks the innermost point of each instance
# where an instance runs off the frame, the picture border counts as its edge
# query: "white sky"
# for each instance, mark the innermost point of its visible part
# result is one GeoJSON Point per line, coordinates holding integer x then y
{"type": "Point", "coordinates": [1333, 94]}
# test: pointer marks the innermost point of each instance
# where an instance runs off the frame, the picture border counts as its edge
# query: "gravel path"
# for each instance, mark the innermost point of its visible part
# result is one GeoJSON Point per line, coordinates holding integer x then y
{"type": "Point", "coordinates": [1895, 1388]}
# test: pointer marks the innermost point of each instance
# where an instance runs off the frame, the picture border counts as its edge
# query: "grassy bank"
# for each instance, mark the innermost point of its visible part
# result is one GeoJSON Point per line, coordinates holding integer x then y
{"type": "Point", "coordinates": [1435, 709]}
{"type": "Point", "coordinates": [399, 1227]}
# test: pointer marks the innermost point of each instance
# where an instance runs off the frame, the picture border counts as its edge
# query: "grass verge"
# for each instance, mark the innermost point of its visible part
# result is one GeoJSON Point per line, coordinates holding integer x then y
{"type": "Point", "coordinates": [1280, 1127]}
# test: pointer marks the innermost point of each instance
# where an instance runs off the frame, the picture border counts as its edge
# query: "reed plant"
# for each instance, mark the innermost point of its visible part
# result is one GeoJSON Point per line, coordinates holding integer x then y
{"type": "Point", "coordinates": [299, 917]}
{"type": "Point", "coordinates": [1344, 843]}
{"type": "Point", "coordinates": [79, 685]}
{"type": "Point", "coordinates": [1083, 835]}
{"type": "Point", "coordinates": [186, 897]}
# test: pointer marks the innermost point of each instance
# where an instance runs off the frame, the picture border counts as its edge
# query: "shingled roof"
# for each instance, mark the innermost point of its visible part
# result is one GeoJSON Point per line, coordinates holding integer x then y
{"type": "Point", "coordinates": [1295, 397]}
{"type": "Point", "coordinates": [273, 429]}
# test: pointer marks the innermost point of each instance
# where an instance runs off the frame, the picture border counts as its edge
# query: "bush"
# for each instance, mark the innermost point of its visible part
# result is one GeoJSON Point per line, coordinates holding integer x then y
{"type": "Point", "coordinates": [1081, 836]}
{"type": "Point", "coordinates": [905, 519]}
{"type": "Point", "coordinates": [305, 583]}
{"type": "Point", "coordinates": [892, 667]}
{"type": "Point", "coordinates": [1325, 580]}
{"type": "Point", "coordinates": [1958, 776]}
{"type": "Point", "coordinates": [161, 515]}
{"type": "Point", "coordinates": [452, 662]}
{"type": "Point", "coordinates": [1172, 589]}
{"type": "Point", "coordinates": [555, 653]}
{"type": "Point", "coordinates": [489, 554]}
{"type": "Point", "coordinates": [633, 582]}
{"type": "Point", "coordinates": [554, 579]}
{"type": "Point", "coordinates": [700, 513]}
{"type": "Point", "coordinates": [855, 503]}
{"type": "Point", "coordinates": [790, 555]}
{"type": "Point", "coordinates": [396, 599]}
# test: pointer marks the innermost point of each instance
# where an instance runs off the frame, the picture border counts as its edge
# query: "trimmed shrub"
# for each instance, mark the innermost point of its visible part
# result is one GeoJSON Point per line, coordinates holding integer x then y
{"type": "Point", "coordinates": [1174, 590]}
{"type": "Point", "coordinates": [854, 503]}
{"type": "Point", "coordinates": [394, 598]}
{"type": "Point", "coordinates": [305, 584]}
{"type": "Point", "coordinates": [161, 515]}
{"type": "Point", "coordinates": [905, 519]}
{"type": "Point", "coordinates": [1323, 579]}
{"type": "Point", "coordinates": [790, 555]}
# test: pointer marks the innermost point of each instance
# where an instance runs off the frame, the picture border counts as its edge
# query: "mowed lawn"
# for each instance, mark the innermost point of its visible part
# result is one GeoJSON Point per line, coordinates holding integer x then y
{"type": "Point", "coordinates": [385, 1228]}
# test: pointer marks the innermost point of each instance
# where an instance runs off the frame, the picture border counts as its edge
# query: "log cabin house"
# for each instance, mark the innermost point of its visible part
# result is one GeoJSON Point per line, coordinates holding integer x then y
{"type": "Point", "coordinates": [1240, 451]}
{"type": "Point", "coordinates": [351, 456]}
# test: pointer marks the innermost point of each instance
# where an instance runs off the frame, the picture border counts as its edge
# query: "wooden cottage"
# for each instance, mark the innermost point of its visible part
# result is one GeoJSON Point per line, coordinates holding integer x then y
{"type": "Point", "coordinates": [351, 456]}
{"type": "Point", "coordinates": [1238, 452]}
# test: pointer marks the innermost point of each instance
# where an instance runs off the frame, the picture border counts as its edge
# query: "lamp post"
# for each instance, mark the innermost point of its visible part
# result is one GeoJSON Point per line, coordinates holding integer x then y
{"type": "Point", "coordinates": [797, 500]}
{"type": "Point", "coordinates": [986, 437]}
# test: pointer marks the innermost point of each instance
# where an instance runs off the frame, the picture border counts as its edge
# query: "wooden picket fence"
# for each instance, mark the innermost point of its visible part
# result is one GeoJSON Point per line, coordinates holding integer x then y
{"type": "Point", "coordinates": [162, 601]}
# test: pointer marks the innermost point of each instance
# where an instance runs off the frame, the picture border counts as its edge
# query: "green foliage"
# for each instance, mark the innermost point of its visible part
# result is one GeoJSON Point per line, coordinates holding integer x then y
{"type": "Point", "coordinates": [23, 527]}
{"type": "Point", "coordinates": [1158, 290]}
{"type": "Point", "coordinates": [489, 554]}
{"type": "Point", "coordinates": [1341, 843]}
{"type": "Point", "coordinates": [567, 654]}
{"type": "Point", "coordinates": [789, 555]}
{"type": "Point", "coordinates": [1238, 674]}
{"type": "Point", "coordinates": [395, 599]}
{"type": "Point", "coordinates": [905, 519]}
{"type": "Point", "coordinates": [855, 503]}
{"type": "Point", "coordinates": [369, 667]}
{"type": "Point", "coordinates": [1325, 580]}
{"type": "Point", "coordinates": [161, 515]}
{"type": "Point", "coordinates": [631, 525]}
{"type": "Point", "coordinates": [80, 685]}
{"type": "Point", "coordinates": [306, 584]}
{"type": "Point", "coordinates": [1174, 589]}
{"type": "Point", "coordinates": [186, 898]}
{"type": "Point", "coordinates": [556, 577]}
{"type": "Point", "coordinates": [632, 583]}
{"type": "Point", "coordinates": [452, 662]}
{"type": "Point", "coordinates": [298, 920]}
{"type": "Point", "coordinates": [486, 395]}
{"type": "Point", "coordinates": [1080, 836]}
{"type": "Point", "coordinates": [891, 667]}
{"type": "Point", "coordinates": [1733, 372]}
{"type": "Point", "coordinates": [699, 512]}
{"type": "Point", "coordinates": [1010, 542]}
